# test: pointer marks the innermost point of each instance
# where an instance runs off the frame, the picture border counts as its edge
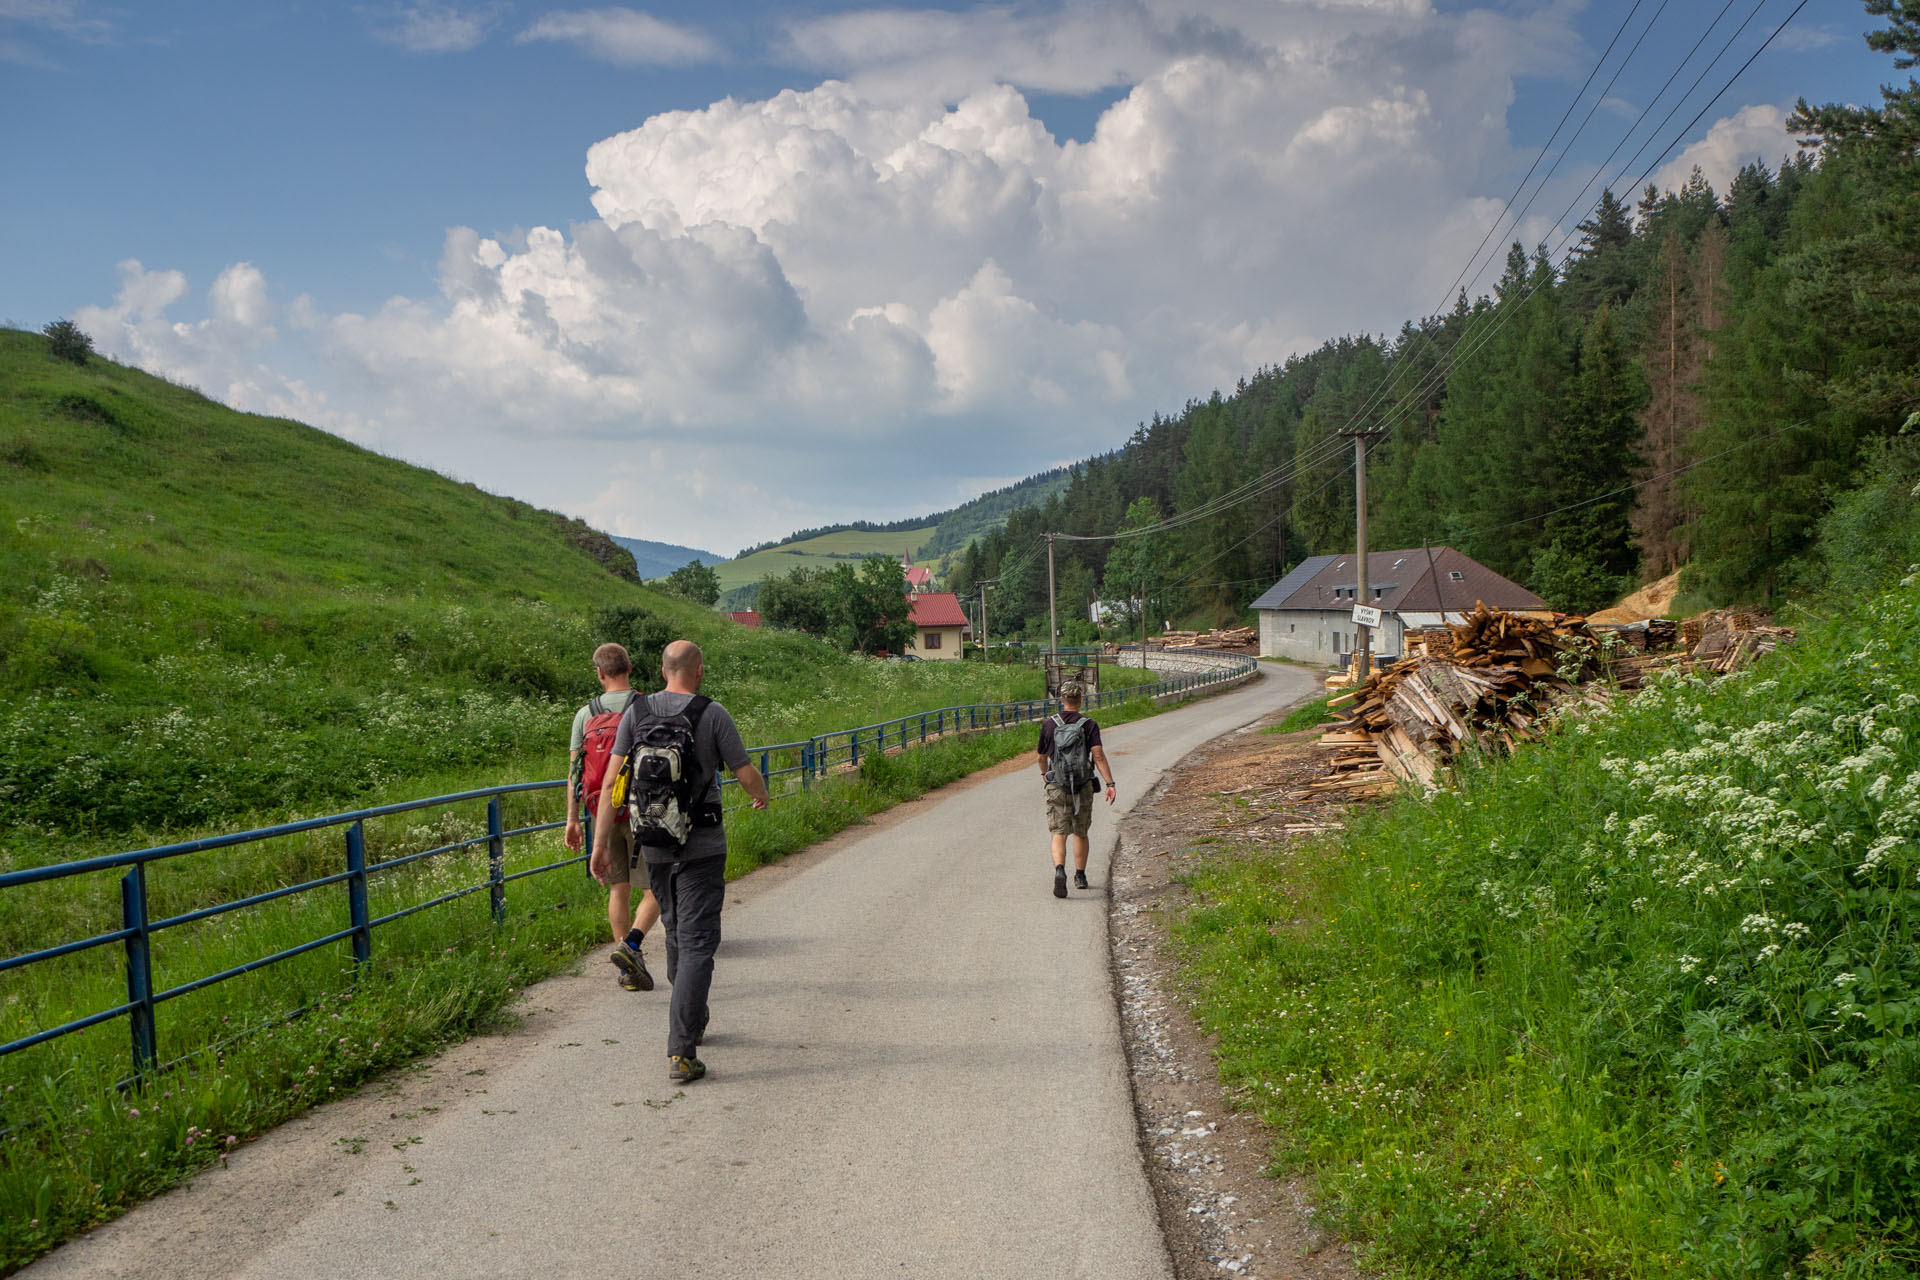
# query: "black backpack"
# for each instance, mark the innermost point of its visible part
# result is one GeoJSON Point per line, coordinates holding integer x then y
{"type": "Point", "coordinates": [666, 786]}
{"type": "Point", "coordinates": [1072, 754]}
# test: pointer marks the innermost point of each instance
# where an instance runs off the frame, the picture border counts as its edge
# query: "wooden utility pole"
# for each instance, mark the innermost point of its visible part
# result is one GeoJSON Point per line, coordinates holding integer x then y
{"type": "Point", "coordinates": [983, 584]}
{"type": "Point", "coordinates": [1053, 614]}
{"type": "Point", "coordinates": [1363, 648]}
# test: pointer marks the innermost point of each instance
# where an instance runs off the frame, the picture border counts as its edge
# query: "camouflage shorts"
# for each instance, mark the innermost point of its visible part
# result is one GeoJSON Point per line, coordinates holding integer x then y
{"type": "Point", "coordinates": [1064, 817]}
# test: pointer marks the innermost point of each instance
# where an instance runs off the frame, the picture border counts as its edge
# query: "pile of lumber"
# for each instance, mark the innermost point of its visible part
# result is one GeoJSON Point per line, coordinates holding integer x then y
{"type": "Point", "coordinates": [1236, 639]}
{"type": "Point", "coordinates": [1491, 682]}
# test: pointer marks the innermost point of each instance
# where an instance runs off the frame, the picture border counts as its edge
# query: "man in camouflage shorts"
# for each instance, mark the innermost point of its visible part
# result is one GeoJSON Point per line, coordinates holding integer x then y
{"type": "Point", "coordinates": [1070, 810]}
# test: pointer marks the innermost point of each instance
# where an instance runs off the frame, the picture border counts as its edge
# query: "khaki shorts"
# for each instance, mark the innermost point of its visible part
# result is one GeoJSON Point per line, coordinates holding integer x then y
{"type": "Point", "coordinates": [620, 846]}
{"type": "Point", "coordinates": [1064, 818]}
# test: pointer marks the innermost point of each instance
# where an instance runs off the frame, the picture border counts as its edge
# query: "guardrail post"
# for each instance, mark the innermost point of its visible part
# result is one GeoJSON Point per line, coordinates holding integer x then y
{"type": "Point", "coordinates": [806, 766]}
{"type": "Point", "coordinates": [763, 766]}
{"type": "Point", "coordinates": [496, 861]}
{"type": "Point", "coordinates": [853, 748]}
{"type": "Point", "coordinates": [133, 915]}
{"type": "Point", "coordinates": [586, 835]}
{"type": "Point", "coordinates": [357, 916]}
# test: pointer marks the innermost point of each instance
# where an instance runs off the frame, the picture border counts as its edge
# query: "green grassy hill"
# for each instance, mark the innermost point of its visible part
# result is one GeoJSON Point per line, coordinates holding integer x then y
{"type": "Point", "coordinates": [209, 618]}
{"type": "Point", "coordinates": [826, 550]}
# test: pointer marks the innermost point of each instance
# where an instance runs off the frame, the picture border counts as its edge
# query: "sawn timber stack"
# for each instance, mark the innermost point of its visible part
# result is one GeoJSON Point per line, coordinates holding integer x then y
{"type": "Point", "coordinates": [1489, 682]}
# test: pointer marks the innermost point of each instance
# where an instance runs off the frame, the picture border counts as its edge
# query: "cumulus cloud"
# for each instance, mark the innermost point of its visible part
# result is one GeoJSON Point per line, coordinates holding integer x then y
{"type": "Point", "coordinates": [437, 28]}
{"type": "Point", "coordinates": [1804, 37]}
{"type": "Point", "coordinates": [71, 18]}
{"type": "Point", "coordinates": [1735, 141]}
{"type": "Point", "coordinates": [625, 37]}
{"type": "Point", "coordinates": [824, 304]}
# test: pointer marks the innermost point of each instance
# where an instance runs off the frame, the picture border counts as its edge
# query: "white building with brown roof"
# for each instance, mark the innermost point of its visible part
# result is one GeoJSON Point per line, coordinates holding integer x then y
{"type": "Point", "coordinates": [1308, 615]}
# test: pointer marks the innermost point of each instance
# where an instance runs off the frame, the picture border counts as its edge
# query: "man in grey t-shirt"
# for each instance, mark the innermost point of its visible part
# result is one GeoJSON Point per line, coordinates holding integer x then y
{"type": "Point", "coordinates": [689, 881]}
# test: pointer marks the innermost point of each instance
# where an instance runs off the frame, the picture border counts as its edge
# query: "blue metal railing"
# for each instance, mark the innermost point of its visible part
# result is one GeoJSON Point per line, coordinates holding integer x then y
{"type": "Point", "coordinates": [809, 760]}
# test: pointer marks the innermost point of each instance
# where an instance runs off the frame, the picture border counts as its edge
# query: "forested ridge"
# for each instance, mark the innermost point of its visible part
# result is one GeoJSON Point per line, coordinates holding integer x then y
{"type": "Point", "coordinates": [1704, 380]}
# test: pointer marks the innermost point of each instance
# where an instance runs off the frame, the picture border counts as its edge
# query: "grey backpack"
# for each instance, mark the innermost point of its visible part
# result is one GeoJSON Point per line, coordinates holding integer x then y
{"type": "Point", "coordinates": [1072, 754]}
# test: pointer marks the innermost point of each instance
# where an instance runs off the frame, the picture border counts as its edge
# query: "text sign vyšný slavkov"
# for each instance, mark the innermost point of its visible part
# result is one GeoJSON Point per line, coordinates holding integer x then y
{"type": "Point", "coordinates": [1366, 615]}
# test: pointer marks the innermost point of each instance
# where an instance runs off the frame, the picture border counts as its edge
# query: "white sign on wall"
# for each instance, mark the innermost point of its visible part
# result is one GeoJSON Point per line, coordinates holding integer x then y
{"type": "Point", "coordinates": [1366, 615]}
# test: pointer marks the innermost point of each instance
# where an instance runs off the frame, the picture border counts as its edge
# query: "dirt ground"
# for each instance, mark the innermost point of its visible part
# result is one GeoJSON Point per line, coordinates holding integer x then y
{"type": "Point", "coordinates": [1222, 1213]}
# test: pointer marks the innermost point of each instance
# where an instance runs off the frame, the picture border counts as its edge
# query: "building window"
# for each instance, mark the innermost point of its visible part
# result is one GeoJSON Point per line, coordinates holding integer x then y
{"type": "Point", "coordinates": [929, 639]}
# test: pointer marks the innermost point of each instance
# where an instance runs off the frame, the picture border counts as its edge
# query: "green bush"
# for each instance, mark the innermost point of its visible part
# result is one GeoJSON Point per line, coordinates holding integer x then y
{"type": "Point", "coordinates": [66, 341]}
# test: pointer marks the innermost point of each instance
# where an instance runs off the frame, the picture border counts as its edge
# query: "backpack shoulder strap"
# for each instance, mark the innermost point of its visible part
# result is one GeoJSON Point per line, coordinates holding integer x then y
{"type": "Point", "coordinates": [695, 708]}
{"type": "Point", "coordinates": [595, 707]}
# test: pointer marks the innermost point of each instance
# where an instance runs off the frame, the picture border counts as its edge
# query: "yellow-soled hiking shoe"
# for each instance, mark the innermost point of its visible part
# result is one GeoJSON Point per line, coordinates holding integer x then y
{"type": "Point", "coordinates": [633, 968]}
{"type": "Point", "coordinates": [685, 1070]}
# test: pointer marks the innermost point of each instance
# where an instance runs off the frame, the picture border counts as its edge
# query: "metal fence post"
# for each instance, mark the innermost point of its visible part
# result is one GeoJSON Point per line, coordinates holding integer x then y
{"type": "Point", "coordinates": [586, 836]}
{"type": "Point", "coordinates": [133, 915]}
{"type": "Point", "coordinates": [806, 766]}
{"type": "Point", "coordinates": [357, 915]}
{"type": "Point", "coordinates": [496, 861]}
{"type": "Point", "coordinates": [763, 766]}
{"type": "Point", "coordinates": [853, 748]}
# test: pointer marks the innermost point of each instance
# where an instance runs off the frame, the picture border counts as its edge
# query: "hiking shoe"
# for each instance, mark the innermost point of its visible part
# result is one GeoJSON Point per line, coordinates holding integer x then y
{"type": "Point", "coordinates": [1079, 879]}
{"type": "Point", "coordinates": [685, 1070]}
{"type": "Point", "coordinates": [1059, 882]}
{"type": "Point", "coordinates": [633, 968]}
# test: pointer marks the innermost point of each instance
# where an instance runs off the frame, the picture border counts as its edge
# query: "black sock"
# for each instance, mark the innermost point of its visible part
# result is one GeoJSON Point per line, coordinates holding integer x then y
{"type": "Point", "coordinates": [634, 937]}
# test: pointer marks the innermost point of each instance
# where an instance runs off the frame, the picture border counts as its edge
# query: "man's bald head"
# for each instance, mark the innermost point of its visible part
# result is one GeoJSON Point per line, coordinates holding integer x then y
{"type": "Point", "coordinates": [680, 663]}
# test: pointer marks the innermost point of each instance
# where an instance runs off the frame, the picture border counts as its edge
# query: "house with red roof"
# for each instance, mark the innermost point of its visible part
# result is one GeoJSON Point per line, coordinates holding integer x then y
{"type": "Point", "coordinates": [749, 618]}
{"type": "Point", "coordinates": [939, 625]}
{"type": "Point", "coordinates": [919, 577]}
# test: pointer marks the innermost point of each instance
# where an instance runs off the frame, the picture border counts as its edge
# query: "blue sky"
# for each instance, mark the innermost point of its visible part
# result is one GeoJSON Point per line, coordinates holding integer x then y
{"type": "Point", "coordinates": [968, 244]}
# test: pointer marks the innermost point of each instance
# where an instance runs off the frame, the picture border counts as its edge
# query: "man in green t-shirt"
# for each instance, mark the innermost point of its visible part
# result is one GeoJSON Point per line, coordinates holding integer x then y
{"type": "Point", "coordinates": [621, 870]}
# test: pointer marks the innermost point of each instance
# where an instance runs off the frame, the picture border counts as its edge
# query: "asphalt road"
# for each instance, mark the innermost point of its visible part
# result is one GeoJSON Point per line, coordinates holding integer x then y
{"type": "Point", "coordinates": [915, 1070]}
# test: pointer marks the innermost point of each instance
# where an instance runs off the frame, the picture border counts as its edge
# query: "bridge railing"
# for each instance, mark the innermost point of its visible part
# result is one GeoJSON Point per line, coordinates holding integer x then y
{"type": "Point", "coordinates": [806, 762]}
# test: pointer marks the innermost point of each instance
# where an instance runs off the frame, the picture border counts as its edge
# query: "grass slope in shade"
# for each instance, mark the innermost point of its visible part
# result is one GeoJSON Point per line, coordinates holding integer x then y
{"type": "Point", "coordinates": [1642, 1001]}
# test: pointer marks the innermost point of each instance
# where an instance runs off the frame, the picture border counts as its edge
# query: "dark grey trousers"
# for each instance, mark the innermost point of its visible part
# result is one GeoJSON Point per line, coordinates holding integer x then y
{"type": "Point", "coordinates": [690, 895]}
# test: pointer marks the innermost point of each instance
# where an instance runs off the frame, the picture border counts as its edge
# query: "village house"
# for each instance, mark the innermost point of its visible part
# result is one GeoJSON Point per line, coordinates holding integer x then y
{"type": "Point", "coordinates": [1308, 615]}
{"type": "Point", "coordinates": [939, 625]}
{"type": "Point", "coordinates": [919, 577]}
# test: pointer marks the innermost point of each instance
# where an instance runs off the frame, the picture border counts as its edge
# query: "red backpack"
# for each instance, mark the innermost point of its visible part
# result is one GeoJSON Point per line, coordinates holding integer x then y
{"type": "Point", "coordinates": [596, 744]}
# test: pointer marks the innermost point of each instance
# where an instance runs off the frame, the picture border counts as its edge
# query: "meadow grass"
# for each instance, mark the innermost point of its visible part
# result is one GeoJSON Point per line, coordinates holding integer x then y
{"type": "Point", "coordinates": [1642, 1000]}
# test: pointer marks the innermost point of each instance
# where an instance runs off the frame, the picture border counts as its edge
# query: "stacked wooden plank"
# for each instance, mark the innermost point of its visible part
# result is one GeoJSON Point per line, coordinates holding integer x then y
{"type": "Point", "coordinates": [1490, 686]}
{"type": "Point", "coordinates": [1238, 639]}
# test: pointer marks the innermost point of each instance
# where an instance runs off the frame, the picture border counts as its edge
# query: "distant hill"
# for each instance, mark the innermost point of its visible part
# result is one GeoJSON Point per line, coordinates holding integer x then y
{"type": "Point", "coordinates": [954, 529]}
{"type": "Point", "coordinates": [926, 539]}
{"type": "Point", "coordinates": [658, 559]}
{"type": "Point", "coordinates": [818, 552]}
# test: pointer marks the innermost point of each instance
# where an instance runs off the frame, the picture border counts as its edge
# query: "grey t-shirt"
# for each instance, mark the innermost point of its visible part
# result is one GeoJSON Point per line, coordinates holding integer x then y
{"type": "Point", "coordinates": [716, 741]}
